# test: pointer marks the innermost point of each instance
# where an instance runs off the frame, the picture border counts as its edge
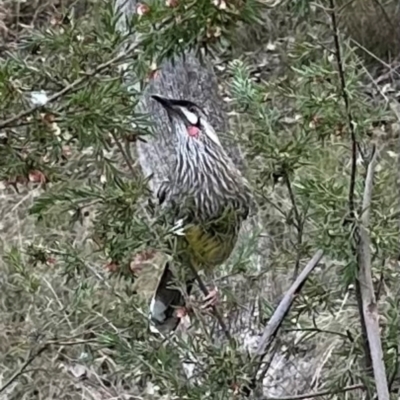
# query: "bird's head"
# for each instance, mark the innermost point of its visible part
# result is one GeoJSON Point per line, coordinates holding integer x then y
{"type": "Point", "coordinates": [189, 121]}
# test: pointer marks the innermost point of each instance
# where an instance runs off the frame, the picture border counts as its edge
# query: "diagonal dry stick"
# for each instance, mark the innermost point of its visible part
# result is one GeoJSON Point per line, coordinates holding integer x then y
{"type": "Point", "coordinates": [369, 306]}
{"type": "Point", "coordinates": [277, 318]}
{"type": "Point", "coordinates": [280, 313]}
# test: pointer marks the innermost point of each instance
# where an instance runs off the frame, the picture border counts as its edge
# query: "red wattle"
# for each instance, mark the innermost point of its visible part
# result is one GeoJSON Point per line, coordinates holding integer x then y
{"type": "Point", "coordinates": [193, 131]}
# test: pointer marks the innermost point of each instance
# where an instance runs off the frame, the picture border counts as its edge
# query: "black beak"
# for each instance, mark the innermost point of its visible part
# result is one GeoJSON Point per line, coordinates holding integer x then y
{"type": "Point", "coordinates": [167, 104]}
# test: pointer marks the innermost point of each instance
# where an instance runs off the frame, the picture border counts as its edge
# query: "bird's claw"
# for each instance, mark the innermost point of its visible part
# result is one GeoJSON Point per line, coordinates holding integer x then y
{"type": "Point", "coordinates": [184, 311]}
{"type": "Point", "coordinates": [211, 300]}
{"type": "Point", "coordinates": [181, 312]}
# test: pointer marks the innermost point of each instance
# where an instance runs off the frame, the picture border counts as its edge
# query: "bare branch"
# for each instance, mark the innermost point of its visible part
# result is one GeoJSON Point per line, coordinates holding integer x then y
{"type": "Point", "coordinates": [370, 309]}
{"type": "Point", "coordinates": [299, 225]}
{"type": "Point", "coordinates": [392, 68]}
{"type": "Point", "coordinates": [124, 155]}
{"type": "Point", "coordinates": [22, 370]}
{"type": "Point", "coordinates": [318, 330]}
{"type": "Point", "coordinates": [345, 97]}
{"type": "Point", "coordinates": [277, 318]}
{"type": "Point", "coordinates": [353, 173]}
{"type": "Point", "coordinates": [284, 306]}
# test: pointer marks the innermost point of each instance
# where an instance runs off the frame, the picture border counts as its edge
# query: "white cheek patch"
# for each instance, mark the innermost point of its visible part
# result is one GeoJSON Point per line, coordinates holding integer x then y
{"type": "Point", "coordinates": [211, 134]}
{"type": "Point", "coordinates": [191, 117]}
{"type": "Point", "coordinates": [214, 138]}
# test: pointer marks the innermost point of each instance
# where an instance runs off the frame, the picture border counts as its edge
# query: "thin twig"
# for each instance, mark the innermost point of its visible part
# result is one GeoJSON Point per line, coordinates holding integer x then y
{"type": "Point", "coordinates": [72, 342]}
{"type": "Point", "coordinates": [318, 330]}
{"type": "Point", "coordinates": [385, 64]}
{"type": "Point", "coordinates": [370, 309]}
{"type": "Point", "coordinates": [124, 154]}
{"type": "Point", "coordinates": [292, 199]}
{"type": "Point", "coordinates": [353, 173]}
{"type": "Point", "coordinates": [67, 88]}
{"type": "Point", "coordinates": [318, 394]}
{"type": "Point", "coordinates": [58, 342]}
{"type": "Point", "coordinates": [21, 371]}
{"type": "Point", "coordinates": [204, 289]}
{"type": "Point", "coordinates": [299, 225]}
{"type": "Point", "coordinates": [345, 97]}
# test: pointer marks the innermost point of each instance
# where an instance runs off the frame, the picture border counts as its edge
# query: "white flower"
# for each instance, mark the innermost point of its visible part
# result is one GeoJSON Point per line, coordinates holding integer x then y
{"type": "Point", "coordinates": [39, 98]}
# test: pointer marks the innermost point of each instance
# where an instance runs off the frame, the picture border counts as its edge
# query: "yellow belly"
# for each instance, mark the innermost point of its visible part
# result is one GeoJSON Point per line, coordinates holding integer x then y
{"type": "Point", "coordinates": [208, 249]}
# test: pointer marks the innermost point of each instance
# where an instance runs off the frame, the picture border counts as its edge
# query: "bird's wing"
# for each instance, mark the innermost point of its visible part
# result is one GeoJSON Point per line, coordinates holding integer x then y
{"type": "Point", "coordinates": [162, 192]}
{"type": "Point", "coordinates": [149, 274]}
{"type": "Point", "coordinates": [164, 307]}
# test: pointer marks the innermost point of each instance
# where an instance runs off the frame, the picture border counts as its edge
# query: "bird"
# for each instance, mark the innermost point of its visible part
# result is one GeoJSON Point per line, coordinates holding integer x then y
{"type": "Point", "coordinates": [207, 199]}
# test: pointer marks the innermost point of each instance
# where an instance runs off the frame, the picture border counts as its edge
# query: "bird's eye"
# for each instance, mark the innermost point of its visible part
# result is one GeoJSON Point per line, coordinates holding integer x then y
{"type": "Point", "coordinates": [193, 110]}
{"type": "Point", "coordinates": [191, 116]}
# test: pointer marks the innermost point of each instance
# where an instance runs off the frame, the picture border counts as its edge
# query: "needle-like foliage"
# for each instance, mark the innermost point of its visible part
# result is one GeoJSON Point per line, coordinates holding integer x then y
{"type": "Point", "coordinates": [76, 210]}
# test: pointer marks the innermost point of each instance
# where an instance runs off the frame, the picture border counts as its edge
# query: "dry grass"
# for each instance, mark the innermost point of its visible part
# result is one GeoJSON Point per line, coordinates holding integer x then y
{"type": "Point", "coordinates": [374, 24]}
{"type": "Point", "coordinates": [18, 17]}
{"type": "Point", "coordinates": [38, 306]}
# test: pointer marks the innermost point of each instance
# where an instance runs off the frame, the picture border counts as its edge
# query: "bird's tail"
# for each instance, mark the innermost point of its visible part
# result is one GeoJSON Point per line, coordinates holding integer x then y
{"type": "Point", "coordinates": [166, 301]}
